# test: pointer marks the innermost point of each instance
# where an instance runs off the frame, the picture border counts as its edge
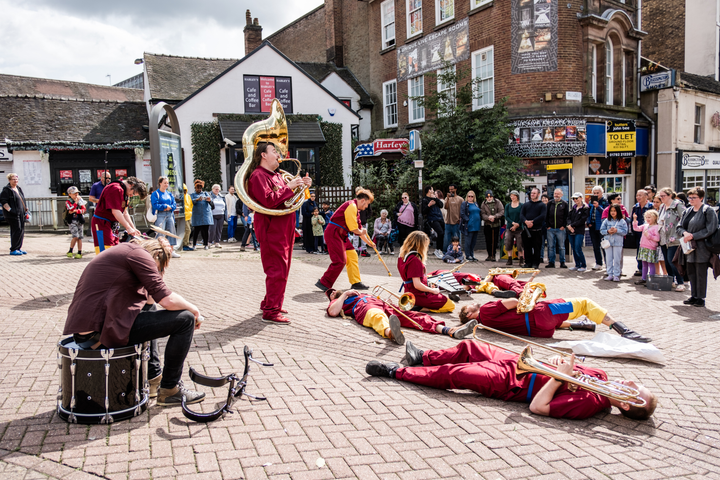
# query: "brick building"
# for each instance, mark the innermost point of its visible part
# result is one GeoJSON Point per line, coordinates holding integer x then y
{"type": "Point", "coordinates": [565, 68]}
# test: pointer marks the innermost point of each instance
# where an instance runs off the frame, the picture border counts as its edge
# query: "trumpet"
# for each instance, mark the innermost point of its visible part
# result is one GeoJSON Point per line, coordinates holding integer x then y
{"type": "Point", "coordinates": [406, 302]}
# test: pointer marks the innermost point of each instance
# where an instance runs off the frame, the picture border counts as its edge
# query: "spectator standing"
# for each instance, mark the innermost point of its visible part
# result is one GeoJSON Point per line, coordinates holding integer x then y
{"type": "Point", "coordinates": [307, 209]}
{"type": "Point", "coordinates": [441, 196]}
{"type": "Point", "coordinates": [638, 211]}
{"type": "Point", "coordinates": [577, 216]}
{"type": "Point", "coordinates": [12, 200]}
{"type": "Point", "coordinates": [231, 204]}
{"type": "Point", "coordinates": [614, 199]}
{"type": "Point", "coordinates": [532, 216]}
{"type": "Point", "coordinates": [318, 222]}
{"type": "Point", "coordinates": [492, 213]}
{"type": "Point", "coordinates": [595, 219]}
{"type": "Point", "coordinates": [671, 210]}
{"type": "Point", "coordinates": [555, 221]}
{"type": "Point", "coordinates": [201, 213]}
{"type": "Point", "coordinates": [454, 253]}
{"type": "Point", "coordinates": [453, 202]}
{"type": "Point", "coordinates": [513, 230]}
{"type": "Point", "coordinates": [381, 231]}
{"type": "Point", "coordinates": [697, 223]}
{"type": "Point", "coordinates": [164, 206]}
{"type": "Point", "coordinates": [188, 217]}
{"type": "Point", "coordinates": [249, 217]}
{"type": "Point", "coordinates": [406, 215]}
{"type": "Point", "coordinates": [543, 244]}
{"type": "Point", "coordinates": [470, 214]}
{"type": "Point", "coordinates": [75, 207]}
{"type": "Point", "coordinates": [614, 228]}
{"type": "Point", "coordinates": [98, 187]}
{"type": "Point", "coordinates": [660, 268]}
{"type": "Point", "coordinates": [649, 241]}
{"type": "Point", "coordinates": [651, 190]}
{"type": "Point", "coordinates": [327, 213]}
{"type": "Point", "coordinates": [219, 213]}
{"type": "Point", "coordinates": [432, 214]}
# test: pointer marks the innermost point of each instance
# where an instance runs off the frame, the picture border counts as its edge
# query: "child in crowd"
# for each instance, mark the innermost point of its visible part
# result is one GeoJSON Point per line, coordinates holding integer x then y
{"type": "Point", "coordinates": [454, 253]}
{"type": "Point", "coordinates": [614, 228]}
{"type": "Point", "coordinates": [318, 223]}
{"type": "Point", "coordinates": [75, 207]}
{"type": "Point", "coordinates": [660, 265]}
{"type": "Point", "coordinates": [649, 242]}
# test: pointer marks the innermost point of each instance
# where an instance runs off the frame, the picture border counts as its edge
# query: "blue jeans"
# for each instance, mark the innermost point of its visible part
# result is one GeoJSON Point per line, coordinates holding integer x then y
{"type": "Point", "coordinates": [166, 221]}
{"type": "Point", "coordinates": [451, 231]}
{"type": "Point", "coordinates": [471, 240]}
{"type": "Point", "coordinates": [614, 261]}
{"type": "Point", "coordinates": [576, 241]}
{"type": "Point", "coordinates": [232, 225]}
{"type": "Point", "coordinates": [553, 235]}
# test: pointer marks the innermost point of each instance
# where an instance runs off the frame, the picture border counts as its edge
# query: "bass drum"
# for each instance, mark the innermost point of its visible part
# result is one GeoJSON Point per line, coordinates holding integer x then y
{"type": "Point", "coordinates": [102, 386]}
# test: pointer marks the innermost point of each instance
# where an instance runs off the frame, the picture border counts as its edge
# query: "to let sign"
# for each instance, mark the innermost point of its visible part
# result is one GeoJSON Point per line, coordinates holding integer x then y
{"type": "Point", "coordinates": [620, 138]}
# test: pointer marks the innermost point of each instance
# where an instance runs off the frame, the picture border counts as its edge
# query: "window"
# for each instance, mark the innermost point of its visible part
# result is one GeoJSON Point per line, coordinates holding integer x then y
{"type": "Point", "coordinates": [387, 10]}
{"type": "Point", "coordinates": [444, 10]}
{"type": "Point", "coordinates": [478, 3]}
{"type": "Point", "coordinates": [698, 123]}
{"type": "Point", "coordinates": [447, 102]}
{"type": "Point", "coordinates": [390, 103]}
{"type": "Point", "coordinates": [483, 69]}
{"type": "Point", "coordinates": [416, 87]}
{"type": "Point", "coordinates": [609, 72]}
{"type": "Point", "coordinates": [622, 82]}
{"type": "Point", "coordinates": [414, 13]}
{"type": "Point", "coordinates": [593, 74]}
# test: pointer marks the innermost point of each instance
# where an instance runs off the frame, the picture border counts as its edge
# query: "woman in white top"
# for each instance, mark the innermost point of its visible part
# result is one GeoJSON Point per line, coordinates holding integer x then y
{"type": "Point", "coordinates": [381, 231]}
{"type": "Point", "coordinates": [219, 210]}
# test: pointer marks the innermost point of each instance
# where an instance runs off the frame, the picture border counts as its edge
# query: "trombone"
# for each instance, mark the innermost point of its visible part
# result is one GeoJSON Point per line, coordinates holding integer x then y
{"type": "Point", "coordinates": [406, 302]}
{"type": "Point", "coordinates": [529, 342]}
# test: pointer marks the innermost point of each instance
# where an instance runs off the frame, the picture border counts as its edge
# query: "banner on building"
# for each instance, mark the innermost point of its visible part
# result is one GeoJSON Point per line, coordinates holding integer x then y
{"type": "Point", "coordinates": [433, 51]}
{"type": "Point", "coordinates": [259, 92]}
{"type": "Point", "coordinates": [548, 137]}
{"type": "Point", "coordinates": [170, 167]}
{"type": "Point", "coordinates": [534, 30]}
{"type": "Point", "coordinates": [538, 167]}
{"type": "Point", "coordinates": [620, 138]}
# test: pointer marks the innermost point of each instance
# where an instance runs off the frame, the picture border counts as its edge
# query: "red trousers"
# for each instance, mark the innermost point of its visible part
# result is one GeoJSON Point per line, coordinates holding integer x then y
{"type": "Point", "coordinates": [428, 323]}
{"type": "Point", "coordinates": [507, 282]}
{"type": "Point", "coordinates": [276, 235]}
{"type": "Point", "coordinates": [337, 243]}
{"type": "Point", "coordinates": [540, 321]}
{"type": "Point", "coordinates": [109, 239]}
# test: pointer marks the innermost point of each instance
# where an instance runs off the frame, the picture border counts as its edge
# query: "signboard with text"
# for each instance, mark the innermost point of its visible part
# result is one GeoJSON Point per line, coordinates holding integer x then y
{"type": "Point", "coordinates": [434, 50]}
{"type": "Point", "coordinates": [620, 138]}
{"type": "Point", "coordinates": [259, 92]}
{"type": "Point", "coordinates": [170, 159]}
{"type": "Point", "coordinates": [657, 81]}
{"type": "Point", "coordinates": [534, 36]}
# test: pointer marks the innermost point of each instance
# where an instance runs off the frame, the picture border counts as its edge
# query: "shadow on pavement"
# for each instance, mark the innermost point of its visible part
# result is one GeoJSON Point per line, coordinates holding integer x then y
{"type": "Point", "coordinates": [41, 303]}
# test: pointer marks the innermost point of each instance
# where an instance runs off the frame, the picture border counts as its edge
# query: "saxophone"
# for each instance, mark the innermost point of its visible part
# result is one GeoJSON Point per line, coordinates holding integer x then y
{"type": "Point", "coordinates": [529, 296]}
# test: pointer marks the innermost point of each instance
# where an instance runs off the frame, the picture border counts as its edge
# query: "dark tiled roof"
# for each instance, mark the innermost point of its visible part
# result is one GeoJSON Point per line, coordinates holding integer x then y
{"type": "Point", "coordinates": [40, 119]}
{"type": "Point", "coordinates": [297, 131]}
{"type": "Point", "coordinates": [16, 85]}
{"type": "Point", "coordinates": [172, 79]}
{"type": "Point", "coordinates": [698, 82]}
{"type": "Point", "coordinates": [320, 71]}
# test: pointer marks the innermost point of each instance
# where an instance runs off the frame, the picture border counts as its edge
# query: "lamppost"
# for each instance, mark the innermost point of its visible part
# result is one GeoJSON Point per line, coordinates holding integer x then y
{"type": "Point", "coordinates": [415, 144]}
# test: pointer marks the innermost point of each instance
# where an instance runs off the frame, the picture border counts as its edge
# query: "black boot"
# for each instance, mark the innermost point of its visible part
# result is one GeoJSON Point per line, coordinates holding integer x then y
{"type": "Point", "coordinates": [414, 355]}
{"type": "Point", "coordinates": [584, 324]}
{"type": "Point", "coordinates": [378, 369]}
{"type": "Point", "coordinates": [504, 294]}
{"type": "Point", "coordinates": [625, 332]}
{"type": "Point", "coordinates": [359, 286]}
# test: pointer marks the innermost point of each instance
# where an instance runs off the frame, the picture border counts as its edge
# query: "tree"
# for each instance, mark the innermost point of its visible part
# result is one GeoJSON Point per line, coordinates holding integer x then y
{"type": "Point", "coordinates": [466, 147]}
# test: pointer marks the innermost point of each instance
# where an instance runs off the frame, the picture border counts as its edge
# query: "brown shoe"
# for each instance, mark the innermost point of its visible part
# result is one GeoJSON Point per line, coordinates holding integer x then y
{"type": "Point", "coordinates": [154, 385]}
{"type": "Point", "coordinates": [171, 397]}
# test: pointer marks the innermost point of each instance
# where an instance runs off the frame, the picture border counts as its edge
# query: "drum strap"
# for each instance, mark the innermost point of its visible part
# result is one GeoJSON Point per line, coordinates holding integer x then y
{"type": "Point", "coordinates": [86, 341]}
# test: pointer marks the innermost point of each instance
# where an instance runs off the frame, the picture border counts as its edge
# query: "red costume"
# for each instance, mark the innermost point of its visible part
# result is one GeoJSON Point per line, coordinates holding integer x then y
{"type": "Point", "coordinates": [507, 282]}
{"type": "Point", "coordinates": [276, 235]}
{"type": "Point", "coordinates": [490, 371]}
{"type": "Point", "coordinates": [339, 245]}
{"type": "Point", "coordinates": [541, 321]}
{"type": "Point", "coordinates": [359, 306]}
{"type": "Point", "coordinates": [411, 266]}
{"type": "Point", "coordinates": [459, 276]}
{"type": "Point", "coordinates": [113, 197]}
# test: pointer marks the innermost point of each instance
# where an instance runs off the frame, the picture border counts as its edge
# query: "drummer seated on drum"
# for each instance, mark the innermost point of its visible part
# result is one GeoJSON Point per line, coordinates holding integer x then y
{"type": "Point", "coordinates": [491, 371]}
{"type": "Point", "coordinates": [113, 307]}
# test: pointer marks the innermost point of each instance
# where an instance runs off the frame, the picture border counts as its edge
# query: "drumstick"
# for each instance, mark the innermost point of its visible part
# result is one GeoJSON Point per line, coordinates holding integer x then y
{"type": "Point", "coordinates": [381, 260]}
{"type": "Point", "coordinates": [164, 232]}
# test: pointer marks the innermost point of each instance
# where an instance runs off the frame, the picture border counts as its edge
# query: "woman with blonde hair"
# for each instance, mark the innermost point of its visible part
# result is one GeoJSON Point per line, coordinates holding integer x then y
{"type": "Point", "coordinates": [411, 265]}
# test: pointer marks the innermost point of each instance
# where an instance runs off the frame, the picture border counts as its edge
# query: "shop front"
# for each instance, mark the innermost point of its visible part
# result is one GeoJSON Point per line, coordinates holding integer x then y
{"type": "Point", "coordinates": [702, 169]}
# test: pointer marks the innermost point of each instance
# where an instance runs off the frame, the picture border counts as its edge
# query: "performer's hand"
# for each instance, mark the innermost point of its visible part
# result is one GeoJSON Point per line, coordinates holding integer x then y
{"type": "Point", "coordinates": [198, 321]}
{"type": "Point", "coordinates": [567, 367]}
{"type": "Point", "coordinates": [133, 232]}
{"type": "Point", "coordinates": [295, 182]}
{"type": "Point", "coordinates": [351, 293]}
{"type": "Point", "coordinates": [555, 360]}
{"type": "Point", "coordinates": [435, 290]}
{"type": "Point", "coordinates": [306, 179]}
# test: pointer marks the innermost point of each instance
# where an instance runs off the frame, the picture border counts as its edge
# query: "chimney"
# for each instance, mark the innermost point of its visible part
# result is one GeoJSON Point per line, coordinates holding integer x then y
{"type": "Point", "coordinates": [334, 31]}
{"type": "Point", "coordinates": [253, 33]}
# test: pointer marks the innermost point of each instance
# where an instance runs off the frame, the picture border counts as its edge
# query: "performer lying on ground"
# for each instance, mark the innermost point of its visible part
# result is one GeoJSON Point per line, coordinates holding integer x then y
{"type": "Point", "coordinates": [411, 265]}
{"type": "Point", "coordinates": [491, 371]}
{"type": "Point", "coordinates": [546, 317]}
{"type": "Point", "coordinates": [111, 211]}
{"type": "Point", "coordinates": [502, 286]}
{"type": "Point", "coordinates": [344, 221]}
{"type": "Point", "coordinates": [113, 307]}
{"type": "Point", "coordinates": [369, 311]}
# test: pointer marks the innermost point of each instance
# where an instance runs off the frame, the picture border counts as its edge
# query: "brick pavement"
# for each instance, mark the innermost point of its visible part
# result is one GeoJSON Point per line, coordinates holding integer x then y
{"type": "Point", "coordinates": [322, 405]}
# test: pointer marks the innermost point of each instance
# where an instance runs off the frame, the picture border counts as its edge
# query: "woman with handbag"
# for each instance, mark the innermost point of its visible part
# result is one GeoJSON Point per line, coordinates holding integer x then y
{"type": "Point", "coordinates": [406, 215]}
{"type": "Point", "coordinates": [16, 213]}
{"type": "Point", "coordinates": [614, 228]}
{"type": "Point", "coordinates": [671, 210]}
{"type": "Point", "coordinates": [697, 224]}
{"type": "Point", "coordinates": [164, 206]}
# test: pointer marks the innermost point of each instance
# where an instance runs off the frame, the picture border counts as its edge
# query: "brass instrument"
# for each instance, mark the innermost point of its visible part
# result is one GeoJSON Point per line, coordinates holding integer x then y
{"type": "Point", "coordinates": [529, 342]}
{"type": "Point", "coordinates": [529, 296]}
{"type": "Point", "coordinates": [406, 302]}
{"type": "Point", "coordinates": [487, 285]}
{"type": "Point", "coordinates": [273, 130]}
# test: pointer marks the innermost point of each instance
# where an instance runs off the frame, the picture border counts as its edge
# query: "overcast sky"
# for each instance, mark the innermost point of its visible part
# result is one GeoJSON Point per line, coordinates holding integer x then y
{"type": "Point", "coordinates": [85, 40]}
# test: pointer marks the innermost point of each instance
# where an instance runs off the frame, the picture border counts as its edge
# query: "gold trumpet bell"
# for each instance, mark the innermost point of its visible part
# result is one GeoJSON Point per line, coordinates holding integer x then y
{"type": "Point", "coordinates": [406, 302]}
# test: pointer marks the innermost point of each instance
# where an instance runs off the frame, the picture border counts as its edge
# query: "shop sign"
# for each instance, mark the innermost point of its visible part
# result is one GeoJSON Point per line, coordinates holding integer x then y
{"type": "Point", "coordinates": [548, 137]}
{"type": "Point", "coordinates": [259, 92]}
{"type": "Point", "coordinates": [121, 173]}
{"type": "Point", "coordinates": [100, 173]}
{"type": "Point", "coordinates": [66, 174]}
{"type": "Point", "coordinates": [657, 81]}
{"type": "Point", "coordinates": [378, 147]}
{"type": "Point", "coordinates": [610, 166]}
{"type": "Point", "coordinates": [701, 161]}
{"type": "Point", "coordinates": [534, 36]}
{"type": "Point", "coordinates": [538, 167]}
{"type": "Point", "coordinates": [434, 51]}
{"type": "Point", "coordinates": [5, 155]}
{"type": "Point", "coordinates": [620, 138]}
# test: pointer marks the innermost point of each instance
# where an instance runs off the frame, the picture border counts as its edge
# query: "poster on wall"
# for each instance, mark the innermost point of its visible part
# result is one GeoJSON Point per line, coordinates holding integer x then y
{"type": "Point", "coordinates": [170, 158]}
{"type": "Point", "coordinates": [433, 51]}
{"type": "Point", "coordinates": [547, 137]}
{"type": "Point", "coordinates": [620, 138]}
{"type": "Point", "coordinates": [32, 172]}
{"type": "Point", "coordinates": [121, 173]}
{"type": "Point", "coordinates": [534, 30]}
{"type": "Point", "coordinates": [610, 166]}
{"type": "Point", "coordinates": [259, 92]}
{"type": "Point", "coordinates": [66, 174]}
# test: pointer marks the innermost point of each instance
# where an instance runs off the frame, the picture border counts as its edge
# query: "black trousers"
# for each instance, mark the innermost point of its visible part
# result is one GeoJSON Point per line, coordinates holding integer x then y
{"type": "Point", "coordinates": [439, 228]}
{"type": "Point", "coordinates": [17, 231]}
{"type": "Point", "coordinates": [197, 231]}
{"type": "Point", "coordinates": [403, 232]}
{"type": "Point", "coordinates": [697, 272]}
{"type": "Point", "coordinates": [179, 325]}
{"type": "Point", "coordinates": [532, 245]}
{"type": "Point", "coordinates": [492, 239]}
{"type": "Point", "coordinates": [598, 251]}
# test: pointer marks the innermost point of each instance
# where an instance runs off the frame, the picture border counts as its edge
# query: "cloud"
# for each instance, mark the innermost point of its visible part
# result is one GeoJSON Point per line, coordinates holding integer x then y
{"type": "Point", "coordinates": [85, 40]}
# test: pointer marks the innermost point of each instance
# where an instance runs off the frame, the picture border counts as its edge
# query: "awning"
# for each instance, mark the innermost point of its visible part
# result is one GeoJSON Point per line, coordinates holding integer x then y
{"type": "Point", "coordinates": [297, 131]}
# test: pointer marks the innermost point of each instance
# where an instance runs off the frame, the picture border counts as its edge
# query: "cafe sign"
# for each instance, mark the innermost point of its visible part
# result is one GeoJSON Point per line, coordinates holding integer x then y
{"type": "Point", "coordinates": [620, 138]}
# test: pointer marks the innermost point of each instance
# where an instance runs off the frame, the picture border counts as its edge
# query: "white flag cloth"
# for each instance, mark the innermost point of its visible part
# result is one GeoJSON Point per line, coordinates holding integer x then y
{"type": "Point", "coordinates": [608, 345]}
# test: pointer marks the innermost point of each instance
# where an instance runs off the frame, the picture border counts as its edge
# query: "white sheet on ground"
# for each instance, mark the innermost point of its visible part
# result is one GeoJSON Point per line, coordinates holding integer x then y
{"type": "Point", "coordinates": [609, 345]}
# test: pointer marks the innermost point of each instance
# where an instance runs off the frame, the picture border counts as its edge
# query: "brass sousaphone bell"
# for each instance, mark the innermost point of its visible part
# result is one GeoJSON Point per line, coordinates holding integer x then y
{"type": "Point", "coordinates": [273, 130]}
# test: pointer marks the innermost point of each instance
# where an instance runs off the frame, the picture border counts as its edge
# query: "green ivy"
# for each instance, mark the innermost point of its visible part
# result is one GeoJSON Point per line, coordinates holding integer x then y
{"type": "Point", "coordinates": [330, 164]}
{"type": "Point", "coordinates": [205, 139]}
